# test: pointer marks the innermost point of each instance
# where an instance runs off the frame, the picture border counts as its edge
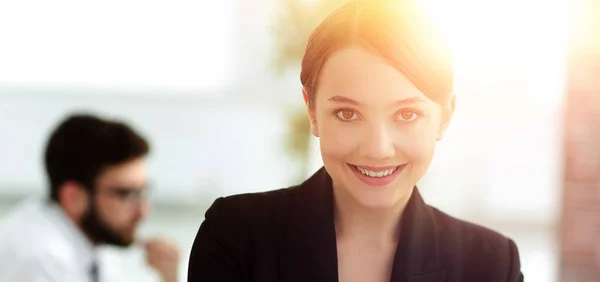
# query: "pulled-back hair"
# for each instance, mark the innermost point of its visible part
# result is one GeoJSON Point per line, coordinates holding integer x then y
{"type": "Point", "coordinates": [399, 31]}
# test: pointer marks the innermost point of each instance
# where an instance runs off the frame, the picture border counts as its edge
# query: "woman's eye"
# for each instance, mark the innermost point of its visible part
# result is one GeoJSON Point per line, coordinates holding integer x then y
{"type": "Point", "coordinates": [346, 115]}
{"type": "Point", "coordinates": [408, 115]}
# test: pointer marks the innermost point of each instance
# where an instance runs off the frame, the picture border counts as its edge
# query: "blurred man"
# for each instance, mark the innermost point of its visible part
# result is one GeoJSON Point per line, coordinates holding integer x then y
{"type": "Point", "coordinates": [97, 195]}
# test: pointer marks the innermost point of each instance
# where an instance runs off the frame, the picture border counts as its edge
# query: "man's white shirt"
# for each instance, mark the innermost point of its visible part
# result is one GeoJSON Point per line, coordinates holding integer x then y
{"type": "Point", "coordinates": [39, 243]}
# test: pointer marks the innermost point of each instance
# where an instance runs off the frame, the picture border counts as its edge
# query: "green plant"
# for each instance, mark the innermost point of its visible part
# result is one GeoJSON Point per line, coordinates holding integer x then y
{"type": "Point", "coordinates": [298, 137]}
{"type": "Point", "coordinates": [294, 21]}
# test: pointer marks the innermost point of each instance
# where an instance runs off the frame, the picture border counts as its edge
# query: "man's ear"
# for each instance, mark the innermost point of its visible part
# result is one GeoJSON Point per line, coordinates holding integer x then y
{"type": "Point", "coordinates": [73, 198]}
{"type": "Point", "coordinates": [447, 114]}
{"type": "Point", "coordinates": [311, 112]}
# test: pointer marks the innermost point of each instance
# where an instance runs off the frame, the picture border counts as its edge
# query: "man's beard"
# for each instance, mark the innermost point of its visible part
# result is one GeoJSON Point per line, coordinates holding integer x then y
{"type": "Point", "coordinates": [100, 232]}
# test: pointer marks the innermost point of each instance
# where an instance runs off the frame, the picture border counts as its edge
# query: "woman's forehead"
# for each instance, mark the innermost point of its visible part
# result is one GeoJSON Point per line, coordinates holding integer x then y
{"type": "Point", "coordinates": [355, 72]}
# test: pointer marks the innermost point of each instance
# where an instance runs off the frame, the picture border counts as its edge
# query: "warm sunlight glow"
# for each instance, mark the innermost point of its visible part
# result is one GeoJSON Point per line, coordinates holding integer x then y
{"type": "Point", "coordinates": [496, 40]}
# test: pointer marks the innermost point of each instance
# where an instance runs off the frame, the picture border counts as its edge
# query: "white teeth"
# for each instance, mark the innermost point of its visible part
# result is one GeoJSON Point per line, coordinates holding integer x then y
{"type": "Point", "coordinates": [376, 173]}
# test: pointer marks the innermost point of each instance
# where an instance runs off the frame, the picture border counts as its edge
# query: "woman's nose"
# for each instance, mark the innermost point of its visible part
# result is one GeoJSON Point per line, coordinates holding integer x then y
{"type": "Point", "coordinates": [377, 142]}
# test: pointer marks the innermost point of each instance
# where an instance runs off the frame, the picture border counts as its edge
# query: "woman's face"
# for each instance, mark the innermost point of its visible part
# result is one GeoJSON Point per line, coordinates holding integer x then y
{"type": "Point", "coordinates": [377, 131]}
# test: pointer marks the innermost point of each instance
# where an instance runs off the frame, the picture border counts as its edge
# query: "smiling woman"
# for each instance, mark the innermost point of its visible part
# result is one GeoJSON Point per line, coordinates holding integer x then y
{"type": "Point", "coordinates": [377, 81]}
{"type": "Point", "coordinates": [367, 114]}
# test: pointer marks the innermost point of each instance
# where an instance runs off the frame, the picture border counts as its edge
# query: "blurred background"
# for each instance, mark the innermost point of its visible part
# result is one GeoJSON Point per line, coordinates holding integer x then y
{"type": "Point", "coordinates": [215, 87]}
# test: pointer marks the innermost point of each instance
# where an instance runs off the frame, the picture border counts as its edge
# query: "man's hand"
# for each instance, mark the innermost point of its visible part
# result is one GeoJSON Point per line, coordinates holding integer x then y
{"type": "Point", "coordinates": [163, 255]}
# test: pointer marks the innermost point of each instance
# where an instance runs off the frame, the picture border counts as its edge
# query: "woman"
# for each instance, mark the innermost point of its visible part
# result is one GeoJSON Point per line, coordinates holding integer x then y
{"type": "Point", "coordinates": [377, 81]}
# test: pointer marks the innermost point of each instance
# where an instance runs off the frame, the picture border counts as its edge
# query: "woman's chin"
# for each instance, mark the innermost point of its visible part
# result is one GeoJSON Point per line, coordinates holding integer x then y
{"type": "Point", "coordinates": [379, 199]}
{"type": "Point", "coordinates": [377, 202]}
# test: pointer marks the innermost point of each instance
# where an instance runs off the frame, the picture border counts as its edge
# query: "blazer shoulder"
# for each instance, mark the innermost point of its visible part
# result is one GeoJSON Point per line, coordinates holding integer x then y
{"type": "Point", "coordinates": [486, 252]}
{"type": "Point", "coordinates": [250, 209]}
{"type": "Point", "coordinates": [459, 228]}
{"type": "Point", "coordinates": [235, 230]}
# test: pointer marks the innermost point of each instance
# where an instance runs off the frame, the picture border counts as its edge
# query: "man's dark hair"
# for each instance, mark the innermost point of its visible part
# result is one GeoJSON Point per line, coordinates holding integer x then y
{"type": "Point", "coordinates": [83, 145]}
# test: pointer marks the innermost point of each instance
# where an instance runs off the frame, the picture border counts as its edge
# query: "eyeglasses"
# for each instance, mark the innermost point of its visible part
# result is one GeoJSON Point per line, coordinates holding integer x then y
{"type": "Point", "coordinates": [130, 195]}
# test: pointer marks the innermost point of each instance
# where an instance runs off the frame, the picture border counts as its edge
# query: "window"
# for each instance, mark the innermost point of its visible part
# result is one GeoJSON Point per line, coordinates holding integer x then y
{"type": "Point", "coordinates": [181, 45]}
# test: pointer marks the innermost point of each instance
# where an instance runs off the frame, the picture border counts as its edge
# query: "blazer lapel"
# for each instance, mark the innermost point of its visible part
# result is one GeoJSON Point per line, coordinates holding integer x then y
{"type": "Point", "coordinates": [308, 248]}
{"type": "Point", "coordinates": [417, 254]}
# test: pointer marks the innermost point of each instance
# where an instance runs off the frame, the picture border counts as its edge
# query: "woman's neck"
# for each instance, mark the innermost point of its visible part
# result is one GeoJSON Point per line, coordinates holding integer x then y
{"type": "Point", "coordinates": [356, 223]}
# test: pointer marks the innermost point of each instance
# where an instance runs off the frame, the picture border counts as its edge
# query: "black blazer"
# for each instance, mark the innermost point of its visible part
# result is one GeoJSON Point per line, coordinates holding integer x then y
{"type": "Point", "coordinates": [288, 235]}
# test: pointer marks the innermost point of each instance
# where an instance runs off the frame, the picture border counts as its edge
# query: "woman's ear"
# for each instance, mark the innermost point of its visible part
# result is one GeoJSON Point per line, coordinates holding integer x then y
{"type": "Point", "coordinates": [311, 112]}
{"type": "Point", "coordinates": [447, 114]}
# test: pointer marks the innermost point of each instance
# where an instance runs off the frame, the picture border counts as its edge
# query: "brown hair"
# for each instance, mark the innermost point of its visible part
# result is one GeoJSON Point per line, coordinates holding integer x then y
{"type": "Point", "coordinates": [83, 145]}
{"type": "Point", "coordinates": [397, 30]}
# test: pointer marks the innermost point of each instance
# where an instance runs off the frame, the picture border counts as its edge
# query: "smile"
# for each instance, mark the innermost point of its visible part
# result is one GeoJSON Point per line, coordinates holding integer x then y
{"type": "Point", "coordinates": [373, 173]}
{"type": "Point", "coordinates": [376, 176]}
